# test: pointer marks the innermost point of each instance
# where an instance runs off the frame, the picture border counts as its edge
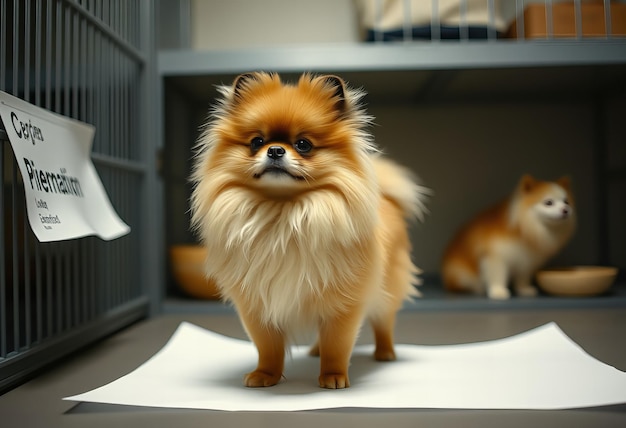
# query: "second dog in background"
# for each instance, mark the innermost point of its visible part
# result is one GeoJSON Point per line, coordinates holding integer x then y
{"type": "Point", "coordinates": [511, 241]}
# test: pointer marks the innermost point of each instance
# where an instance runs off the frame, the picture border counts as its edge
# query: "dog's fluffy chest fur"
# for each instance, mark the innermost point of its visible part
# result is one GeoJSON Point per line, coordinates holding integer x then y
{"type": "Point", "coordinates": [288, 257]}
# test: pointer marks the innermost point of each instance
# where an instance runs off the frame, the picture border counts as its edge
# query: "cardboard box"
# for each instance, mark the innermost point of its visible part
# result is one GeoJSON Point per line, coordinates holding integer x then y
{"type": "Point", "coordinates": [564, 20]}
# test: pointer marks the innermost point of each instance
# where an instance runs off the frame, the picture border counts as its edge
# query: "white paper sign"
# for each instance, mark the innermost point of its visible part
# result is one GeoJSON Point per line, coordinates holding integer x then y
{"type": "Point", "coordinates": [65, 198]}
{"type": "Point", "coordinates": [538, 369]}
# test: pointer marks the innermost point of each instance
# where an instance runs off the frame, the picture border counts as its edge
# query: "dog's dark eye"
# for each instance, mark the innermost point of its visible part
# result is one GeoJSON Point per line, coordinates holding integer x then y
{"type": "Point", "coordinates": [303, 146]}
{"type": "Point", "coordinates": [548, 202]}
{"type": "Point", "coordinates": [256, 143]}
{"type": "Point", "coordinates": [566, 201]}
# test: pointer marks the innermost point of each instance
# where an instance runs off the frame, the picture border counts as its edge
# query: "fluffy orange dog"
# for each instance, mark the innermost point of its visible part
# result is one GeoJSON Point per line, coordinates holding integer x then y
{"type": "Point", "coordinates": [305, 223]}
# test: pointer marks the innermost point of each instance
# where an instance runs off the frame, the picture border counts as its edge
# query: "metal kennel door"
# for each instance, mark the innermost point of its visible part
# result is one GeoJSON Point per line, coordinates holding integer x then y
{"type": "Point", "coordinates": [91, 60]}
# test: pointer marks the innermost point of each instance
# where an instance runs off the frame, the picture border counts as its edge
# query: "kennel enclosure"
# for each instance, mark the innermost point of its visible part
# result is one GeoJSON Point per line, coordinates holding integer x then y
{"type": "Point", "coordinates": [466, 113]}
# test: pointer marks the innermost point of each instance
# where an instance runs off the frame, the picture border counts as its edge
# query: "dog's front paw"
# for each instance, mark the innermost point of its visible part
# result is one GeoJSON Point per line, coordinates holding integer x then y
{"type": "Point", "coordinates": [258, 379]}
{"type": "Point", "coordinates": [527, 291]}
{"type": "Point", "coordinates": [498, 293]}
{"type": "Point", "coordinates": [334, 381]}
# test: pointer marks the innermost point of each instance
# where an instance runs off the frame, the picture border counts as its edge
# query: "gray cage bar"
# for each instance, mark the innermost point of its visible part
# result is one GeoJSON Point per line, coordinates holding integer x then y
{"type": "Point", "coordinates": [89, 60]}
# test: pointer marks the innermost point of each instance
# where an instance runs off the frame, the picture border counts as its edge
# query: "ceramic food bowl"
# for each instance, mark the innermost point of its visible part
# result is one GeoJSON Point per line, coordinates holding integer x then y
{"type": "Point", "coordinates": [577, 280]}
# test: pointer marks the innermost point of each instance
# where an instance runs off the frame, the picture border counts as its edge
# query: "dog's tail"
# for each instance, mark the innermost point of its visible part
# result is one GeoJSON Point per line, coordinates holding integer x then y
{"type": "Point", "coordinates": [400, 185]}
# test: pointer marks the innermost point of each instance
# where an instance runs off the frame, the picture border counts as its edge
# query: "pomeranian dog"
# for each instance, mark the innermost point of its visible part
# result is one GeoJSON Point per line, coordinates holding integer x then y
{"type": "Point", "coordinates": [304, 221]}
{"type": "Point", "coordinates": [511, 241]}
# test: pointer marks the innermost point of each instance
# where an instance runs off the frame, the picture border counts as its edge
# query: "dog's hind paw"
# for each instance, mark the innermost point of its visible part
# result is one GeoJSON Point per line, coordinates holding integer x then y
{"type": "Point", "coordinates": [314, 351]}
{"type": "Point", "coordinates": [258, 379]}
{"type": "Point", "coordinates": [384, 354]}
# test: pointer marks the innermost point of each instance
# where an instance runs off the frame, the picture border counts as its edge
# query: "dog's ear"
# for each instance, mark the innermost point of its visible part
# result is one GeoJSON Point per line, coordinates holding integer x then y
{"type": "Point", "coordinates": [241, 82]}
{"type": "Point", "coordinates": [527, 183]}
{"type": "Point", "coordinates": [565, 182]}
{"type": "Point", "coordinates": [339, 90]}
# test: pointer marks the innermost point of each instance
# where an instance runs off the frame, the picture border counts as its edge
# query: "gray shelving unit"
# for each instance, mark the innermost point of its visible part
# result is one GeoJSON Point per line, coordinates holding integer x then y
{"type": "Point", "coordinates": [434, 74]}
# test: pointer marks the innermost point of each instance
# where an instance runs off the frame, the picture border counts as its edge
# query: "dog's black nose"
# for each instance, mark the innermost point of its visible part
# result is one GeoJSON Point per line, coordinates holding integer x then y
{"type": "Point", "coordinates": [275, 152]}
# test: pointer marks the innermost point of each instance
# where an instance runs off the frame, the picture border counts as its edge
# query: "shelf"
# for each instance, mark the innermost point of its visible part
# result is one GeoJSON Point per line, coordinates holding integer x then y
{"type": "Point", "coordinates": [434, 298]}
{"type": "Point", "coordinates": [443, 55]}
{"type": "Point", "coordinates": [422, 71]}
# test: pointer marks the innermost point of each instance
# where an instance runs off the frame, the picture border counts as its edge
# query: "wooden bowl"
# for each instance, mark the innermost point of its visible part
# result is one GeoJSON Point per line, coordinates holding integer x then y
{"type": "Point", "coordinates": [577, 280]}
{"type": "Point", "coordinates": [187, 263]}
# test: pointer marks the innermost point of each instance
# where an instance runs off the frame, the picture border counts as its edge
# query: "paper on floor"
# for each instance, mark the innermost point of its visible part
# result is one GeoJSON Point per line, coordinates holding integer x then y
{"type": "Point", "coordinates": [539, 369]}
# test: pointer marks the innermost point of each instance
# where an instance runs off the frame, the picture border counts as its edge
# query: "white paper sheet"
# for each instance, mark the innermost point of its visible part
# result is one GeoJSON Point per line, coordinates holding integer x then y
{"type": "Point", "coordinates": [539, 369]}
{"type": "Point", "coordinates": [65, 198]}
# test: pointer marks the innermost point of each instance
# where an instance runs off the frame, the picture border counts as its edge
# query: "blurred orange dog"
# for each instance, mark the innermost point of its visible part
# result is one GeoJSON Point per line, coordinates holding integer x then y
{"type": "Point", "coordinates": [511, 240]}
{"type": "Point", "coordinates": [304, 221]}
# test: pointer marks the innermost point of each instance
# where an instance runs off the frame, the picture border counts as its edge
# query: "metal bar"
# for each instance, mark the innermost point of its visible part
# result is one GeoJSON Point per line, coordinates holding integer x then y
{"type": "Point", "coordinates": [91, 79]}
{"type": "Point", "coordinates": [125, 108]}
{"type": "Point", "coordinates": [92, 285]}
{"type": "Point", "coordinates": [48, 85]}
{"type": "Point", "coordinates": [407, 26]}
{"type": "Point", "coordinates": [114, 249]}
{"type": "Point", "coordinates": [97, 96]}
{"type": "Point", "coordinates": [149, 209]}
{"type": "Point", "coordinates": [58, 269]}
{"type": "Point", "coordinates": [38, 26]}
{"type": "Point", "coordinates": [117, 85]}
{"type": "Point", "coordinates": [84, 64]}
{"type": "Point", "coordinates": [608, 30]}
{"type": "Point", "coordinates": [49, 298]}
{"type": "Point", "coordinates": [519, 7]}
{"type": "Point", "coordinates": [75, 67]}
{"type": "Point", "coordinates": [26, 308]}
{"type": "Point", "coordinates": [67, 62]}
{"type": "Point", "coordinates": [26, 51]}
{"type": "Point", "coordinates": [38, 295]}
{"type": "Point", "coordinates": [491, 28]}
{"type": "Point", "coordinates": [16, 42]}
{"type": "Point", "coordinates": [67, 283]}
{"type": "Point", "coordinates": [3, 267]}
{"type": "Point", "coordinates": [58, 56]}
{"type": "Point", "coordinates": [84, 256]}
{"type": "Point", "coordinates": [378, 17]}
{"type": "Point", "coordinates": [3, 194]}
{"type": "Point", "coordinates": [578, 19]}
{"type": "Point", "coordinates": [463, 27]}
{"type": "Point", "coordinates": [435, 24]}
{"type": "Point", "coordinates": [76, 300]}
{"type": "Point", "coordinates": [15, 260]}
{"type": "Point", "coordinates": [3, 44]}
{"type": "Point", "coordinates": [549, 26]}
